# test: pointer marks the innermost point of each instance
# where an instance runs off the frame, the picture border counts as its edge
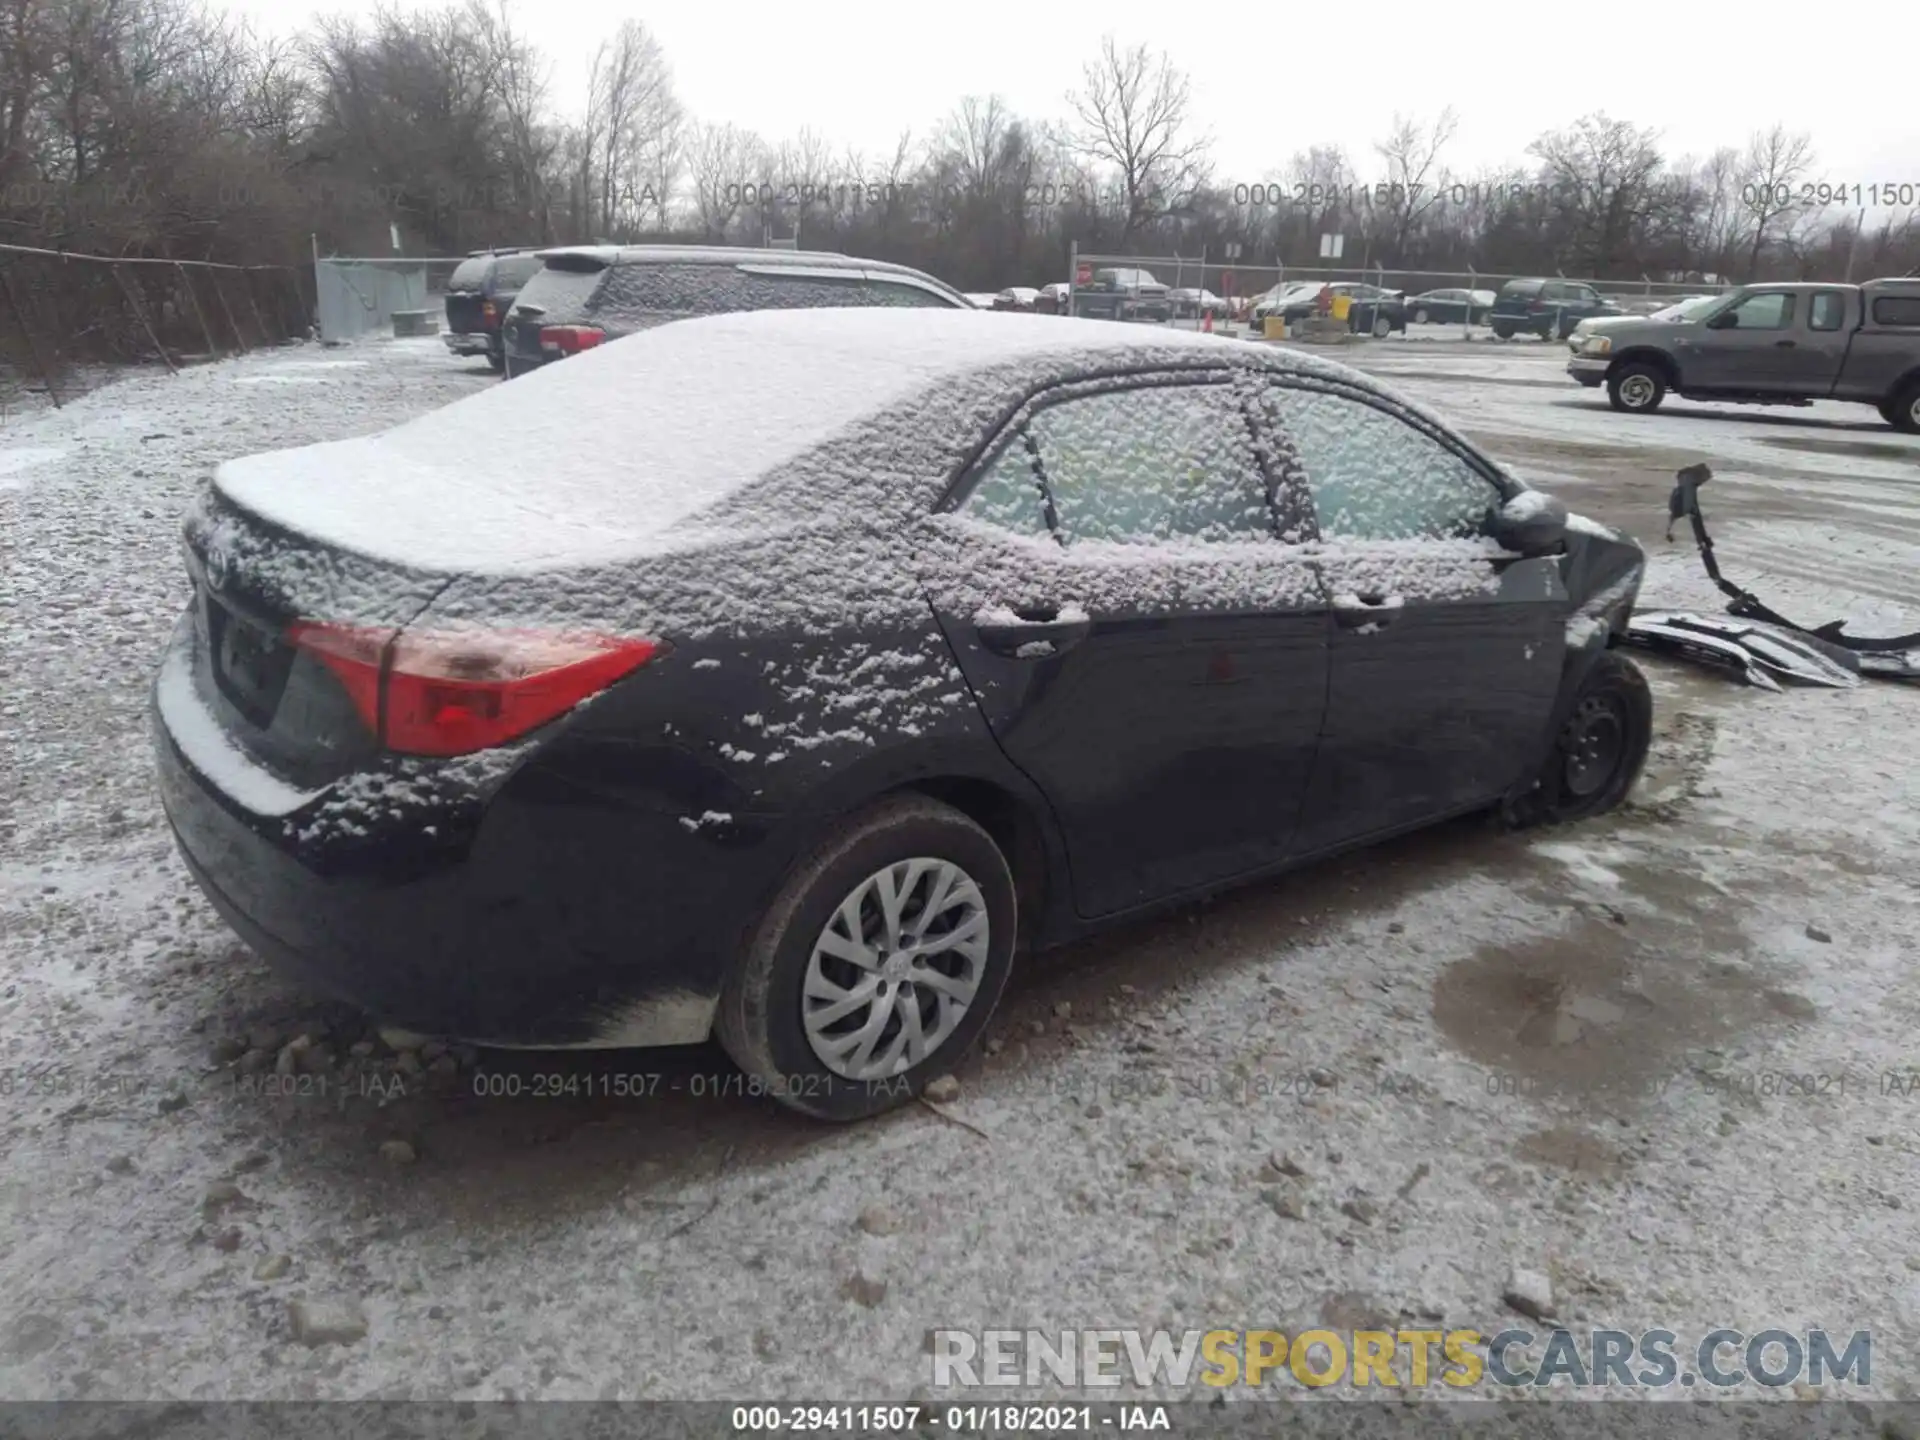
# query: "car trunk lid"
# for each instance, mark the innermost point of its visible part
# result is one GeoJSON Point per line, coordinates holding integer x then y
{"type": "Point", "coordinates": [273, 695]}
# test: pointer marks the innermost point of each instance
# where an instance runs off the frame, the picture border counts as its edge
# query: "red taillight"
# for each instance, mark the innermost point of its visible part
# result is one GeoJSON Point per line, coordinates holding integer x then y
{"type": "Point", "coordinates": [570, 339]}
{"type": "Point", "coordinates": [488, 311]}
{"type": "Point", "coordinates": [1534, 307]}
{"type": "Point", "coordinates": [454, 692]}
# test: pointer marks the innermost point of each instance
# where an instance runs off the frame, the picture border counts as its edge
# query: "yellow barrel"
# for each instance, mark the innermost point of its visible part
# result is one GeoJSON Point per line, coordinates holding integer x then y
{"type": "Point", "coordinates": [1342, 304]}
{"type": "Point", "coordinates": [1273, 328]}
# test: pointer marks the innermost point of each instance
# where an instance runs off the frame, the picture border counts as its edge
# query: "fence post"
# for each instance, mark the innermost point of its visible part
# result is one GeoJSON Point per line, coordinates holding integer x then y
{"type": "Point", "coordinates": [1073, 272]}
{"type": "Point", "coordinates": [1466, 316]}
{"type": "Point", "coordinates": [205, 329]}
{"type": "Point", "coordinates": [33, 346]}
{"type": "Point", "coordinates": [238, 339]}
{"type": "Point", "coordinates": [140, 313]}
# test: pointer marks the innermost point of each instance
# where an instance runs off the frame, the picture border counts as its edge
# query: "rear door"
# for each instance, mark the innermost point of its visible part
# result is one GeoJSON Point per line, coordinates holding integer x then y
{"type": "Point", "coordinates": [1446, 655]}
{"type": "Point", "coordinates": [1140, 642]}
{"type": "Point", "coordinates": [466, 293]}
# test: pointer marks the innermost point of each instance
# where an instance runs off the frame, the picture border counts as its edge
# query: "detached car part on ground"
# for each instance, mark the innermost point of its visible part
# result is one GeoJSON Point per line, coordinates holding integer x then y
{"type": "Point", "coordinates": [546, 720]}
{"type": "Point", "coordinates": [1760, 645]}
{"type": "Point", "coordinates": [585, 296]}
{"type": "Point", "coordinates": [1788, 344]}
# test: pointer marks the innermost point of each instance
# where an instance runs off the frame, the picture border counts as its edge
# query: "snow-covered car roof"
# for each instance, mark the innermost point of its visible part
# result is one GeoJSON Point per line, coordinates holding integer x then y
{"type": "Point", "coordinates": [591, 461]}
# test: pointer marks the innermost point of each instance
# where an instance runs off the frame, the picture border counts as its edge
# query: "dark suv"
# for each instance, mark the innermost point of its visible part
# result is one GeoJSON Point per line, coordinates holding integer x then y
{"type": "Point", "coordinates": [479, 294]}
{"type": "Point", "coordinates": [588, 295]}
{"type": "Point", "coordinates": [1123, 295]}
{"type": "Point", "coordinates": [1547, 308]}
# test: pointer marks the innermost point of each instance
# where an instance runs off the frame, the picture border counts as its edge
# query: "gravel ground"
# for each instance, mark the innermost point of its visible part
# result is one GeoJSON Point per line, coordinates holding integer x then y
{"type": "Point", "coordinates": [1562, 1052]}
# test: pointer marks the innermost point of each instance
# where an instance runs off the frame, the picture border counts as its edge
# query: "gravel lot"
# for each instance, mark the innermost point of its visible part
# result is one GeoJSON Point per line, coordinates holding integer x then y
{"type": "Point", "coordinates": [1561, 1052]}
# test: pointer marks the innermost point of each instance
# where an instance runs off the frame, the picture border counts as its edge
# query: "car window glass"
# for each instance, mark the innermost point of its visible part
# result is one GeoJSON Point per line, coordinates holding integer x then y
{"type": "Point", "coordinates": [1372, 476]}
{"type": "Point", "coordinates": [1896, 310]}
{"type": "Point", "coordinates": [1826, 310]}
{"type": "Point", "coordinates": [1007, 493]}
{"type": "Point", "coordinates": [1153, 464]}
{"type": "Point", "coordinates": [513, 271]}
{"type": "Point", "coordinates": [470, 274]}
{"type": "Point", "coordinates": [1772, 310]}
{"type": "Point", "coordinates": [892, 292]}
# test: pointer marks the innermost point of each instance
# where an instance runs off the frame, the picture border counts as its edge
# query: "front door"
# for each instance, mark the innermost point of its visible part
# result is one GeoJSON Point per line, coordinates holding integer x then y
{"type": "Point", "coordinates": [1446, 655]}
{"type": "Point", "coordinates": [1139, 641]}
{"type": "Point", "coordinates": [1754, 345]}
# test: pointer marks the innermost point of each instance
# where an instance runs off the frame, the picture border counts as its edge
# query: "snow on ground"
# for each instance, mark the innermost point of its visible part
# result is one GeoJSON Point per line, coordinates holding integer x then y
{"type": "Point", "coordinates": [1649, 1056]}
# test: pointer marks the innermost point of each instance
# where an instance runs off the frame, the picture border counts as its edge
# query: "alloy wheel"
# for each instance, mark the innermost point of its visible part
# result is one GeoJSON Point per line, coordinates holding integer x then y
{"type": "Point", "coordinates": [895, 969]}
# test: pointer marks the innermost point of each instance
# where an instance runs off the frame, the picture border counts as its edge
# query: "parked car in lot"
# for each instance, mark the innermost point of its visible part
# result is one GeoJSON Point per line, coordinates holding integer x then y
{"type": "Point", "coordinates": [1450, 307]}
{"type": "Point", "coordinates": [1277, 300]}
{"type": "Point", "coordinates": [1547, 308]}
{"type": "Point", "coordinates": [480, 291]}
{"type": "Point", "coordinates": [702, 684]}
{"type": "Point", "coordinates": [1052, 299]}
{"type": "Point", "coordinates": [980, 299]}
{"type": "Point", "coordinates": [1122, 294]}
{"type": "Point", "coordinates": [1190, 303]}
{"type": "Point", "coordinates": [1016, 297]}
{"type": "Point", "coordinates": [1771, 345]}
{"type": "Point", "coordinates": [585, 296]}
{"type": "Point", "coordinates": [1372, 310]}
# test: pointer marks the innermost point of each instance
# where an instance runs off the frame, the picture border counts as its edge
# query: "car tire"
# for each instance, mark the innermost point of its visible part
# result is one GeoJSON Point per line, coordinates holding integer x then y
{"type": "Point", "coordinates": [762, 1020]}
{"type": "Point", "coordinates": [1503, 332]}
{"type": "Point", "coordinates": [1636, 389]}
{"type": "Point", "coordinates": [1599, 751]}
{"type": "Point", "coordinates": [1903, 411]}
{"type": "Point", "coordinates": [1382, 326]}
{"type": "Point", "coordinates": [497, 360]}
{"type": "Point", "coordinates": [1420, 316]}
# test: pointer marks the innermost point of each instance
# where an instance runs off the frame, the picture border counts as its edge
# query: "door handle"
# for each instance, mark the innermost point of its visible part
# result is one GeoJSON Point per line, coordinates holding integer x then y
{"type": "Point", "coordinates": [1365, 613]}
{"type": "Point", "coordinates": [1056, 628]}
{"type": "Point", "coordinates": [1783, 344]}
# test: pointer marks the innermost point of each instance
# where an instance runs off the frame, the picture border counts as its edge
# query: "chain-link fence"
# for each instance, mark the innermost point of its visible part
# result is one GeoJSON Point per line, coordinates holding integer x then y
{"type": "Point", "coordinates": [1216, 293]}
{"type": "Point", "coordinates": [65, 317]}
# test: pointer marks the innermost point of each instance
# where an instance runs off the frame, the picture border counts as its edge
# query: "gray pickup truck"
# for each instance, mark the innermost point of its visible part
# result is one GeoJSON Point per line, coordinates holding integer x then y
{"type": "Point", "coordinates": [1769, 345]}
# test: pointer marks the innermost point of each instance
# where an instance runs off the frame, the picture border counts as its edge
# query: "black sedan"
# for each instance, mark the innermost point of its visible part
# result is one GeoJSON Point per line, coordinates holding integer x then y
{"type": "Point", "coordinates": [1370, 309]}
{"type": "Point", "coordinates": [1450, 307]}
{"type": "Point", "coordinates": [545, 720]}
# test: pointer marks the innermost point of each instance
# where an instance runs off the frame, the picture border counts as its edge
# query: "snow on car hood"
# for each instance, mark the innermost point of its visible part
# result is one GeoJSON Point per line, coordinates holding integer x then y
{"type": "Point", "coordinates": [589, 461]}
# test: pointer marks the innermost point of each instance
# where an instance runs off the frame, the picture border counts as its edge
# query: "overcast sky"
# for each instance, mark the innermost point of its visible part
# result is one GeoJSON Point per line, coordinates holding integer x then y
{"type": "Point", "coordinates": [860, 72]}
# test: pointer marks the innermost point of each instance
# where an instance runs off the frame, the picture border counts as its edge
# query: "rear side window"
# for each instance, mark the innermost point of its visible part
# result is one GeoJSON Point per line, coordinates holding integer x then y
{"type": "Point", "coordinates": [1375, 477]}
{"type": "Point", "coordinates": [1896, 309]}
{"type": "Point", "coordinates": [510, 272]}
{"type": "Point", "coordinates": [470, 274]}
{"type": "Point", "coordinates": [1164, 463]}
{"type": "Point", "coordinates": [1141, 466]}
{"type": "Point", "coordinates": [1827, 310]}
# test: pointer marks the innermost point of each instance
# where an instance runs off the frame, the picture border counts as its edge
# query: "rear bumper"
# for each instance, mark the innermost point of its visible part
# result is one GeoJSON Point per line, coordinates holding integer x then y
{"type": "Point", "coordinates": [521, 912]}
{"type": "Point", "coordinates": [471, 343]}
{"type": "Point", "coordinates": [1589, 371]}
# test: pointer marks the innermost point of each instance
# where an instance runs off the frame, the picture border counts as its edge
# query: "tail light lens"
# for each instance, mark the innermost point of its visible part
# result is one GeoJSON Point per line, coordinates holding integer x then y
{"type": "Point", "coordinates": [1536, 306]}
{"type": "Point", "coordinates": [489, 312]}
{"type": "Point", "coordinates": [570, 339]}
{"type": "Point", "coordinates": [447, 693]}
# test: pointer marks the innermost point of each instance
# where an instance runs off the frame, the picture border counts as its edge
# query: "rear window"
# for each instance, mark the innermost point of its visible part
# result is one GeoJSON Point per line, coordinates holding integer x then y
{"type": "Point", "coordinates": [470, 274]}
{"type": "Point", "coordinates": [562, 294]}
{"type": "Point", "coordinates": [510, 272]}
{"type": "Point", "coordinates": [1896, 310]}
{"type": "Point", "coordinates": [1521, 287]}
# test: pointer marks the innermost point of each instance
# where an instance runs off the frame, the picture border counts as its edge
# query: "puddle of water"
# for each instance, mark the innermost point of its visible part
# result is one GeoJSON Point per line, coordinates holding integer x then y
{"type": "Point", "coordinates": [1601, 1010]}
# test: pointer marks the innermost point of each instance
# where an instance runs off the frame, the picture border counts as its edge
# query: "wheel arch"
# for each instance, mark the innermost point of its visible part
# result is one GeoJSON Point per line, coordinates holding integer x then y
{"type": "Point", "coordinates": [1647, 355]}
{"type": "Point", "coordinates": [1902, 385]}
{"type": "Point", "coordinates": [1023, 833]}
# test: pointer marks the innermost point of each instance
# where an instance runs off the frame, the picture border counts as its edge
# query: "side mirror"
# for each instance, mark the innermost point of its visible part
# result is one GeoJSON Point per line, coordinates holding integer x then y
{"type": "Point", "coordinates": [1530, 524]}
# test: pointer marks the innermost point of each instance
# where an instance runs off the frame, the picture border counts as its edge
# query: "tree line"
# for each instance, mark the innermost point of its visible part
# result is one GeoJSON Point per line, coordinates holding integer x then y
{"type": "Point", "coordinates": [160, 128]}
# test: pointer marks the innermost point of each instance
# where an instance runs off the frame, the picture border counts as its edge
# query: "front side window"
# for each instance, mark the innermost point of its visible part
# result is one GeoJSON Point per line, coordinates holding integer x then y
{"type": "Point", "coordinates": [1007, 492]}
{"type": "Point", "coordinates": [1373, 476]}
{"type": "Point", "coordinates": [895, 292]}
{"type": "Point", "coordinates": [1770, 310]}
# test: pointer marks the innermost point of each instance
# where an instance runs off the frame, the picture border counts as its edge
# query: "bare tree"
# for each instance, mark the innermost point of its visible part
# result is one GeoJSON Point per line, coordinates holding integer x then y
{"type": "Point", "coordinates": [1414, 178]}
{"type": "Point", "coordinates": [1132, 116]}
{"type": "Point", "coordinates": [632, 123]}
{"type": "Point", "coordinates": [1770, 173]}
{"type": "Point", "coordinates": [1600, 179]}
{"type": "Point", "coordinates": [722, 160]}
